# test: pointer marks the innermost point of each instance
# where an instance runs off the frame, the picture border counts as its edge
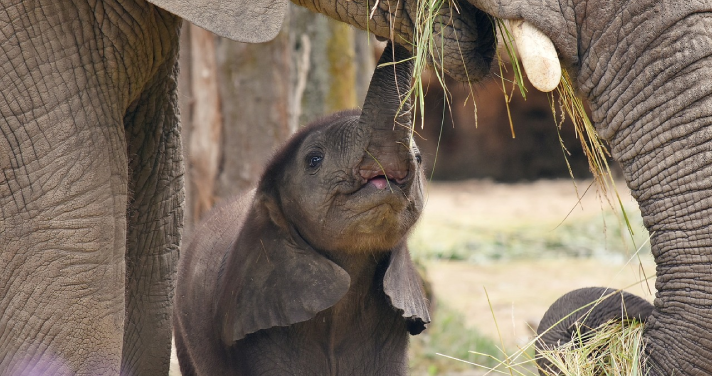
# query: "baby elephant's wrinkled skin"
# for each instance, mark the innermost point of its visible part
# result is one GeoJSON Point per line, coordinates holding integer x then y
{"type": "Point", "coordinates": [309, 274]}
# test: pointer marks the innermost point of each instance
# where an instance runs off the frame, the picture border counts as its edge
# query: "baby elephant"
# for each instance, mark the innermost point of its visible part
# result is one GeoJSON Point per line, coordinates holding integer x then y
{"type": "Point", "coordinates": [310, 274]}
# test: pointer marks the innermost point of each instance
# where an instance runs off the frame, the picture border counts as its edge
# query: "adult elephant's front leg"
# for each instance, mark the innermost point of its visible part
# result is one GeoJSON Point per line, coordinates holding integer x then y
{"type": "Point", "coordinates": [155, 217]}
{"type": "Point", "coordinates": [63, 180]}
{"type": "Point", "coordinates": [62, 241]}
{"type": "Point", "coordinates": [74, 83]}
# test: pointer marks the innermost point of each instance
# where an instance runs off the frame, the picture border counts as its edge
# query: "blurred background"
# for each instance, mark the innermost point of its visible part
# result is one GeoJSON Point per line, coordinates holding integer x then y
{"type": "Point", "coordinates": [505, 229]}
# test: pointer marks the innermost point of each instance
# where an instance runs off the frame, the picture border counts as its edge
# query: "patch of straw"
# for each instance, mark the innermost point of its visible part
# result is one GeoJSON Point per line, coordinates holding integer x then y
{"type": "Point", "coordinates": [500, 28]}
{"type": "Point", "coordinates": [425, 49]}
{"type": "Point", "coordinates": [613, 349]}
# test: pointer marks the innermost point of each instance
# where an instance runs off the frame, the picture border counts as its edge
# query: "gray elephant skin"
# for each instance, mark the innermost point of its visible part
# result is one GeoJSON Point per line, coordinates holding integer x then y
{"type": "Point", "coordinates": [91, 188]}
{"type": "Point", "coordinates": [310, 273]}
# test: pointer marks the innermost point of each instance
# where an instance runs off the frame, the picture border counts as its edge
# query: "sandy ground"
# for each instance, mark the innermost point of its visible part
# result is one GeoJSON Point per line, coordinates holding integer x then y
{"type": "Point", "coordinates": [495, 204]}
{"type": "Point", "coordinates": [519, 292]}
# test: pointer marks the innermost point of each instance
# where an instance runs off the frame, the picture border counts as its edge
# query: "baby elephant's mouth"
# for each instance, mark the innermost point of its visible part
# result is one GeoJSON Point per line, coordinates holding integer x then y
{"type": "Point", "coordinates": [383, 179]}
{"type": "Point", "coordinates": [380, 182]}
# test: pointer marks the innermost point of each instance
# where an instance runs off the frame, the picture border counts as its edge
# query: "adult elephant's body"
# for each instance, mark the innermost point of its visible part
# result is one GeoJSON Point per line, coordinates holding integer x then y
{"type": "Point", "coordinates": [645, 67]}
{"type": "Point", "coordinates": [91, 186]}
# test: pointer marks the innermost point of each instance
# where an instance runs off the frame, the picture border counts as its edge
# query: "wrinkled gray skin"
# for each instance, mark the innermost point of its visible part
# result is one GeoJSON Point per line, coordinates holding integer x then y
{"type": "Point", "coordinates": [646, 69]}
{"type": "Point", "coordinates": [91, 185]}
{"type": "Point", "coordinates": [310, 274]}
{"type": "Point", "coordinates": [581, 311]}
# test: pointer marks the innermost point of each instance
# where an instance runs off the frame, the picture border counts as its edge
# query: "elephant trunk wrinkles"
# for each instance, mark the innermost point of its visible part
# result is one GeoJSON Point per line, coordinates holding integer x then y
{"type": "Point", "coordinates": [465, 46]}
{"type": "Point", "coordinates": [645, 68]}
{"type": "Point", "coordinates": [386, 116]}
{"type": "Point", "coordinates": [387, 105]}
{"type": "Point", "coordinates": [656, 111]}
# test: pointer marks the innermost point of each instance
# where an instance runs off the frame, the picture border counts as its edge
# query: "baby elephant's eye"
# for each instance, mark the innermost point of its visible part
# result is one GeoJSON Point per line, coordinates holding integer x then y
{"type": "Point", "coordinates": [418, 158]}
{"type": "Point", "coordinates": [314, 160]}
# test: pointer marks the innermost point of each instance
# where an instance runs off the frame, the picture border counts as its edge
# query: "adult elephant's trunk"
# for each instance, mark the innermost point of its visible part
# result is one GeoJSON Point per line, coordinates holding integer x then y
{"type": "Point", "coordinates": [464, 42]}
{"type": "Point", "coordinates": [646, 68]}
{"type": "Point", "coordinates": [386, 117]}
{"type": "Point", "coordinates": [656, 111]}
{"type": "Point", "coordinates": [647, 72]}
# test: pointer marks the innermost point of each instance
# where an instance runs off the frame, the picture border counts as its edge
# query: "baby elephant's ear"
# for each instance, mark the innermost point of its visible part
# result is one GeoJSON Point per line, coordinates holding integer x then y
{"type": "Point", "coordinates": [404, 287]}
{"type": "Point", "coordinates": [268, 280]}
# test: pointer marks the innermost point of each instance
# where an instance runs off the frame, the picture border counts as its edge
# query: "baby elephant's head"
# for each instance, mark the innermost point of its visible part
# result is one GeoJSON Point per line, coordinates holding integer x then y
{"type": "Point", "coordinates": [353, 182]}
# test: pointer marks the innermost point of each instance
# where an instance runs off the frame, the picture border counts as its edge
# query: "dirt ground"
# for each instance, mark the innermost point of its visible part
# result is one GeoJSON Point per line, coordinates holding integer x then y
{"type": "Point", "coordinates": [495, 204]}
{"type": "Point", "coordinates": [519, 291]}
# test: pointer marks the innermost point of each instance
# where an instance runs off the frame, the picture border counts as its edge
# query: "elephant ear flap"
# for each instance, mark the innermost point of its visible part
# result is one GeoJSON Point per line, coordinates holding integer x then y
{"type": "Point", "coordinates": [251, 21]}
{"type": "Point", "coordinates": [267, 280]}
{"type": "Point", "coordinates": [404, 288]}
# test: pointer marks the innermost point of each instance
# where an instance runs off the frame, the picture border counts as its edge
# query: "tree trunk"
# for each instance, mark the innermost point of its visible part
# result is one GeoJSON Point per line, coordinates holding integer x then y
{"type": "Point", "coordinates": [204, 151]}
{"type": "Point", "coordinates": [256, 89]}
{"type": "Point", "coordinates": [341, 63]}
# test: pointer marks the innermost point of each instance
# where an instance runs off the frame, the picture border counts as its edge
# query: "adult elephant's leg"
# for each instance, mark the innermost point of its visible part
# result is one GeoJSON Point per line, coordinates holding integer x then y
{"type": "Point", "coordinates": [658, 108]}
{"type": "Point", "coordinates": [62, 241]}
{"type": "Point", "coordinates": [155, 217]}
{"type": "Point", "coordinates": [69, 74]}
{"type": "Point", "coordinates": [63, 180]}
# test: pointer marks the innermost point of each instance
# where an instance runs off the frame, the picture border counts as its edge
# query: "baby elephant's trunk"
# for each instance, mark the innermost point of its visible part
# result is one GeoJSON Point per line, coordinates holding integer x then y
{"type": "Point", "coordinates": [386, 118]}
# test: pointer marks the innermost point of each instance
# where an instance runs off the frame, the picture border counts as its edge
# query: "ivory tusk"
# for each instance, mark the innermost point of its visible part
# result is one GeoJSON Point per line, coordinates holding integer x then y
{"type": "Point", "coordinates": [537, 54]}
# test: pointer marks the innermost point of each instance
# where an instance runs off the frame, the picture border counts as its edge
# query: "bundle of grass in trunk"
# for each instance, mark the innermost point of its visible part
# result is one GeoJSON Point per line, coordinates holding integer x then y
{"type": "Point", "coordinates": [614, 349]}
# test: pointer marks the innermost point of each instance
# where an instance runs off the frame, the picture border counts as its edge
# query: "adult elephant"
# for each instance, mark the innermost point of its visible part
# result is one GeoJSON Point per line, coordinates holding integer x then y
{"type": "Point", "coordinates": [91, 190]}
{"type": "Point", "coordinates": [91, 176]}
{"type": "Point", "coordinates": [646, 69]}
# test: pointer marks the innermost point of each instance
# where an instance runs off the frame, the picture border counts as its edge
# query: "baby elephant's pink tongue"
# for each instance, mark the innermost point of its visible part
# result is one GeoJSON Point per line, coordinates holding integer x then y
{"type": "Point", "coordinates": [380, 182]}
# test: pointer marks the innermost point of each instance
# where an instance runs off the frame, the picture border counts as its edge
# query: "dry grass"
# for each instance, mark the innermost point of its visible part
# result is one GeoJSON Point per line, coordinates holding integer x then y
{"type": "Point", "coordinates": [473, 213]}
{"type": "Point", "coordinates": [614, 349]}
{"type": "Point", "coordinates": [571, 105]}
{"type": "Point", "coordinates": [449, 334]}
{"type": "Point", "coordinates": [500, 29]}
